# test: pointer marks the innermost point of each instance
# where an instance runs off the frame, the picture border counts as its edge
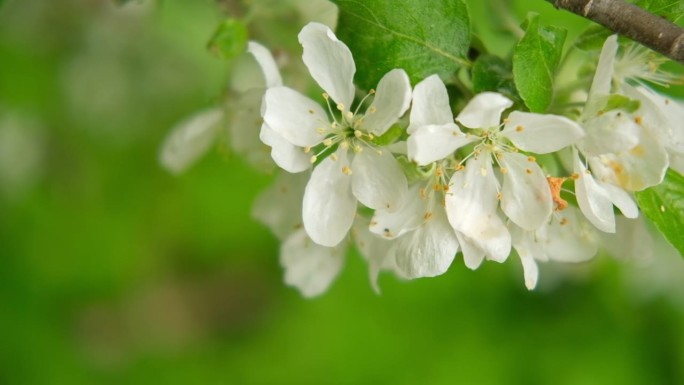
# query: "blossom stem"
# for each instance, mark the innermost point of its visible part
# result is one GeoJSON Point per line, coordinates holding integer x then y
{"type": "Point", "coordinates": [627, 19]}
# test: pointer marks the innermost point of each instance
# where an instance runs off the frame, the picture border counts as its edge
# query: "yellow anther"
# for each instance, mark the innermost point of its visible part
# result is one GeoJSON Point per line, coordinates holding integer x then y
{"type": "Point", "coordinates": [327, 142]}
{"type": "Point", "coordinates": [427, 216]}
{"type": "Point", "coordinates": [358, 133]}
{"type": "Point", "coordinates": [504, 170]}
{"type": "Point", "coordinates": [372, 91]}
{"type": "Point", "coordinates": [313, 159]}
{"type": "Point", "coordinates": [349, 115]}
{"type": "Point", "coordinates": [326, 96]}
{"type": "Point", "coordinates": [527, 170]}
{"type": "Point", "coordinates": [307, 149]}
{"type": "Point", "coordinates": [333, 157]}
{"type": "Point", "coordinates": [346, 170]}
{"type": "Point", "coordinates": [531, 159]}
{"type": "Point", "coordinates": [344, 145]}
{"type": "Point", "coordinates": [340, 106]}
{"type": "Point", "coordinates": [372, 110]}
{"type": "Point", "coordinates": [483, 171]}
{"type": "Point", "coordinates": [519, 128]}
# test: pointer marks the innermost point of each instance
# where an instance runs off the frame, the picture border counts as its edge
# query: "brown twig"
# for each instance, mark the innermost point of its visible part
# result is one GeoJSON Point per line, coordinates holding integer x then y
{"type": "Point", "coordinates": [627, 19]}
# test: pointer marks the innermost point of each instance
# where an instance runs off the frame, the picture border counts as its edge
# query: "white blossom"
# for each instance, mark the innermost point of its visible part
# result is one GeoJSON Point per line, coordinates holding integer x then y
{"type": "Point", "coordinates": [566, 238]}
{"type": "Point", "coordinates": [425, 242]}
{"type": "Point", "coordinates": [622, 148]}
{"type": "Point", "coordinates": [525, 195]}
{"type": "Point", "coordinates": [357, 170]}
{"type": "Point", "coordinates": [193, 137]}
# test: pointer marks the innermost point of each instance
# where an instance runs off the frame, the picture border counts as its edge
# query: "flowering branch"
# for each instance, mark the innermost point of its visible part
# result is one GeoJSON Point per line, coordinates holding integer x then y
{"type": "Point", "coordinates": [629, 20]}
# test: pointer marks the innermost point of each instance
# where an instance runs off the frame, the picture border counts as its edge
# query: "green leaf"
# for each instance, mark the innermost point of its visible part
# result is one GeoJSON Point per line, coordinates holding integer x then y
{"type": "Point", "coordinates": [620, 102]}
{"type": "Point", "coordinates": [492, 73]}
{"type": "Point", "coordinates": [672, 10]}
{"type": "Point", "coordinates": [395, 132]}
{"type": "Point", "coordinates": [535, 60]}
{"type": "Point", "coordinates": [229, 40]}
{"type": "Point", "coordinates": [664, 205]}
{"type": "Point", "coordinates": [422, 39]}
{"type": "Point", "coordinates": [592, 38]}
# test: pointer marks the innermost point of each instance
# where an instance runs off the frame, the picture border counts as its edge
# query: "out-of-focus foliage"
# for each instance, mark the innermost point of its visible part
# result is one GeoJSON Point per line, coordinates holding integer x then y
{"type": "Point", "coordinates": [115, 272]}
{"type": "Point", "coordinates": [229, 39]}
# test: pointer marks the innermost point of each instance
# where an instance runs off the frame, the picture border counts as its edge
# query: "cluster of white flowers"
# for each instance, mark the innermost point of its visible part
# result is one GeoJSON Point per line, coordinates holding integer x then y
{"type": "Point", "coordinates": [473, 183]}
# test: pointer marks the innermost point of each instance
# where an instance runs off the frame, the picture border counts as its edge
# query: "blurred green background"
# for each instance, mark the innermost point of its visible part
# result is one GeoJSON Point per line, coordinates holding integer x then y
{"type": "Point", "coordinates": [113, 271]}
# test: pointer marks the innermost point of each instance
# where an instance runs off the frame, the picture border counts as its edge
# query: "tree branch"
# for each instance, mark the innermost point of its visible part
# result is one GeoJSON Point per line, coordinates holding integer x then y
{"type": "Point", "coordinates": [627, 19]}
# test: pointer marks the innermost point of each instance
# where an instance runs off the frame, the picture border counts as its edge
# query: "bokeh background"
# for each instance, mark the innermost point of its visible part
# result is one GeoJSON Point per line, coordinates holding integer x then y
{"type": "Point", "coordinates": [113, 271]}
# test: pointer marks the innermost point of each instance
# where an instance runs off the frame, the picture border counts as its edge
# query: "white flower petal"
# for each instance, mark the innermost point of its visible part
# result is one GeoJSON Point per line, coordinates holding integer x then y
{"type": "Point", "coordinates": [189, 140]}
{"type": "Point", "coordinates": [286, 155]}
{"type": "Point", "coordinates": [391, 225]}
{"type": "Point", "coordinates": [392, 99]}
{"type": "Point", "coordinates": [643, 166]}
{"type": "Point", "coordinates": [526, 196]}
{"type": "Point", "coordinates": [309, 267]}
{"type": "Point", "coordinates": [245, 74]}
{"type": "Point", "coordinates": [267, 63]}
{"type": "Point", "coordinates": [531, 271]}
{"type": "Point", "coordinates": [472, 254]}
{"type": "Point", "coordinates": [658, 113]}
{"type": "Point", "coordinates": [472, 208]}
{"type": "Point", "coordinates": [430, 104]}
{"type": "Point", "coordinates": [429, 250]}
{"type": "Point", "coordinates": [279, 207]}
{"type": "Point", "coordinates": [294, 116]}
{"type": "Point", "coordinates": [677, 162]}
{"type": "Point", "coordinates": [244, 121]}
{"type": "Point", "coordinates": [612, 132]}
{"type": "Point", "coordinates": [604, 69]}
{"type": "Point", "coordinates": [621, 199]}
{"type": "Point", "coordinates": [329, 61]}
{"type": "Point", "coordinates": [322, 11]}
{"type": "Point", "coordinates": [529, 250]}
{"type": "Point", "coordinates": [593, 199]}
{"type": "Point", "coordinates": [378, 181]}
{"type": "Point", "coordinates": [329, 206]}
{"type": "Point", "coordinates": [431, 143]}
{"type": "Point", "coordinates": [378, 252]}
{"type": "Point", "coordinates": [571, 238]}
{"type": "Point", "coordinates": [529, 243]}
{"type": "Point", "coordinates": [484, 110]}
{"type": "Point", "coordinates": [631, 242]}
{"type": "Point", "coordinates": [541, 133]}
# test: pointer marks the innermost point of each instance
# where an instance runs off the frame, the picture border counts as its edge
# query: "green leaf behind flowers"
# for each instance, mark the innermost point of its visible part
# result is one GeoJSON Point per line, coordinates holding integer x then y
{"type": "Point", "coordinates": [664, 205]}
{"type": "Point", "coordinates": [229, 39]}
{"type": "Point", "coordinates": [535, 60]}
{"type": "Point", "coordinates": [420, 38]}
{"type": "Point", "coordinates": [492, 73]}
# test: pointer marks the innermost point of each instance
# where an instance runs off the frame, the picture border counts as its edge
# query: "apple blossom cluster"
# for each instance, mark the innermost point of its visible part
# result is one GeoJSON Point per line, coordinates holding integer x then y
{"type": "Point", "coordinates": [411, 183]}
